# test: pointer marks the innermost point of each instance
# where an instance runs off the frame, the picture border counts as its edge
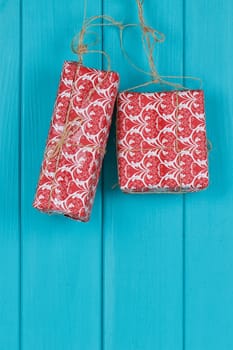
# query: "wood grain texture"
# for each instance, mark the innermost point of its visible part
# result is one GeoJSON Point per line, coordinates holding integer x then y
{"type": "Point", "coordinates": [9, 174]}
{"type": "Point", "coordinates": [60, 257]}
{"type": "Point", "coordinates": [208, 219]}
{"type": "Point", "coordinates": [142, 233]}
{"type": "Point", "coordinates": [148, 272]}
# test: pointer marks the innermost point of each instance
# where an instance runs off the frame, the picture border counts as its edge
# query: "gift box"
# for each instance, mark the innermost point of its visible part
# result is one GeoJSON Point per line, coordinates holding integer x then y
{"type": "Point", "coordinates": [161, 142]}
{"type": "Point", "coordinates": [77, 140]}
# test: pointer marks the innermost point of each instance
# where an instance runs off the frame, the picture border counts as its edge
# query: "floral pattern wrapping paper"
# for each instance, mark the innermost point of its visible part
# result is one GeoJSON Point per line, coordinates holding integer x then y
{"type": "Point", "coordinates": [77, 140]}
{"type": "Point", "coordinates": [161, 142]}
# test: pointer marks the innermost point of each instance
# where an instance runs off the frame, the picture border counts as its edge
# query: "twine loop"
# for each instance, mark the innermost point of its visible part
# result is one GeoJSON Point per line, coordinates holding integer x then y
{"type": "Point", "coordinates": [149, 36]}
{"type": "Point", "coordinates": [80, 48]}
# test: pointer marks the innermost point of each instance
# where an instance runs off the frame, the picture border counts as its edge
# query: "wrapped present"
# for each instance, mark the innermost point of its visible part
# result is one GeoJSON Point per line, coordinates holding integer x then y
{"type": "Point", "coordinates": [161, 142]}
{"type": "Point", "coordinates": [77, 140]}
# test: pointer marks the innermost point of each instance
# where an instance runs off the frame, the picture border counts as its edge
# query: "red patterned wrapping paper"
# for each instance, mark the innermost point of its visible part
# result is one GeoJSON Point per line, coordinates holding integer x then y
{"type": "Point", "coordinates": [161, 142]}
{"type": "Point", "coordinates": [76, 142]}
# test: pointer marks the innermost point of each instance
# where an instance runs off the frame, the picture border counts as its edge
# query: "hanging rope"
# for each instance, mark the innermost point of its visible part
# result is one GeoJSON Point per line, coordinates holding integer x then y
{"type": "Point", "coordinates": [150, 37]}
{"type": "Point", "coordinates": [78, 45]}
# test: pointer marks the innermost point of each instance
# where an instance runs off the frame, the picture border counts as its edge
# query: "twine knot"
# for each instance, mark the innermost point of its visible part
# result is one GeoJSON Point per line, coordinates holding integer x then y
{"type": "Point", "coordinates": [82, 49]}
{"type": "Point", "coordinates": [147, 29]}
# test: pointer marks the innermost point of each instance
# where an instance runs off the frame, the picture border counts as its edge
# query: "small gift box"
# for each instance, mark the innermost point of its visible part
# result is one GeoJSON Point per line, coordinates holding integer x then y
{"type": "Point", "coordinates": [161, 142]}
{"type": "Point", "coordinates": [77, 140]}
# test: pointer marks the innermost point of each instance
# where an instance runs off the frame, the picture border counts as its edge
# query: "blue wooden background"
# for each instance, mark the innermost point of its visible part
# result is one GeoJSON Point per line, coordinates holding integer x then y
{"type": "Point", "coordinates": [147, 272]}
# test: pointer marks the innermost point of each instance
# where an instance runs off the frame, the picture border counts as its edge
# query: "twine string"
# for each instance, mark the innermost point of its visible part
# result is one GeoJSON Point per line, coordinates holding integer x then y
{"type": "Point", "coordinates": [67, 132]}
{"type": "Point", "coordinates": [150, 37]}
{"type": "Point", "coordinates": [146, 40]}
{"type": "Point", "coordinates": [80, 48]}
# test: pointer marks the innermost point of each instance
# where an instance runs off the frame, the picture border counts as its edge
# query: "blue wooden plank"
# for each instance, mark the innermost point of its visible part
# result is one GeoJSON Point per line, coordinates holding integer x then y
{"type": "Point", "coordinates": [61, 258]}
{"type": "Point", "coordinates": [142, 233]}
{"type": "Point", "coordinates": [208, 220]}
{"type": "Point", "coordinates": [9, 180]}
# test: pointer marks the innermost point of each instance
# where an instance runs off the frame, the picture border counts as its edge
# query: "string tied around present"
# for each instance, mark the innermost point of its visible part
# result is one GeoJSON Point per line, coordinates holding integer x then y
{"type": "Point", "coordinates": [71, 127]}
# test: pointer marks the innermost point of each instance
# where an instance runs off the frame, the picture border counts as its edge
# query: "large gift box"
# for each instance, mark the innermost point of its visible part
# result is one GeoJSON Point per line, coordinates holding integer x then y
{"type": "Point", "coordinates": [161, 142]}
{"type": "Point", "coordinates": [77, 140]}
